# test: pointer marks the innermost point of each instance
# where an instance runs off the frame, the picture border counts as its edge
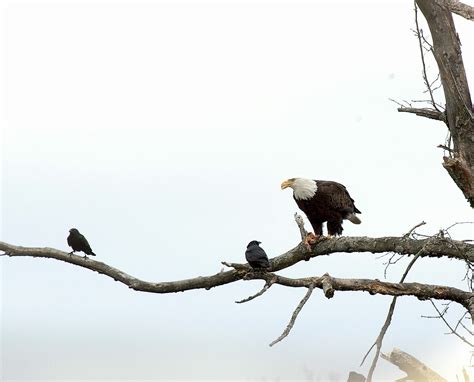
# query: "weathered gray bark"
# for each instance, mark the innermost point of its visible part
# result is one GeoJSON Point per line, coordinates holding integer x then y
{"type": "Point", "coordinates": [416, 371]}
{"type": "Point", "coordinates": [461, 9]}
{"type": "Point", "coordinates": [433, 247]}
{"type": "Point", "coordinates": [459, 110]}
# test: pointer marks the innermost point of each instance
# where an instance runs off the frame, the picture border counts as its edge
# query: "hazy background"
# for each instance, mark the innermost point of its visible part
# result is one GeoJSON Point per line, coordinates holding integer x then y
{"type": "Point", "coordinates": [162, 131]}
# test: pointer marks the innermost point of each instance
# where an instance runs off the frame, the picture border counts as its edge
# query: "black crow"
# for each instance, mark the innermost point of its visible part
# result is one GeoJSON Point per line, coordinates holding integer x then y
{"type": "Point", "coordinates": [256, 256]}
{"type": "Point", "coordinates": [78, 242]}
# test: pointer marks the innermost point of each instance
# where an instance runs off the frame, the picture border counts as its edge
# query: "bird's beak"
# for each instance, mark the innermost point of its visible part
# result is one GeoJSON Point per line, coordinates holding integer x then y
{"type": "Point", "coordinates": [286, 183]}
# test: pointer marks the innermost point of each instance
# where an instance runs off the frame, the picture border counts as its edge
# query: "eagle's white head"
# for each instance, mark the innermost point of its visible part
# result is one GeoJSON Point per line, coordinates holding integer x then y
{"type": "Point", "coordinates": [303, 189]}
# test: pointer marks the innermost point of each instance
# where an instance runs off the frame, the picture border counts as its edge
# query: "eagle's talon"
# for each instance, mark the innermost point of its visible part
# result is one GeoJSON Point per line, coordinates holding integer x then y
{"type": "Point", "coordinates": [310, 240]}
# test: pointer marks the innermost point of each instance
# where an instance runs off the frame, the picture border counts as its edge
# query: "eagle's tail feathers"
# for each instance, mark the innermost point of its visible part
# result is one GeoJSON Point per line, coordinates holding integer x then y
{"type": "Point", "coordinates": [353, 218]}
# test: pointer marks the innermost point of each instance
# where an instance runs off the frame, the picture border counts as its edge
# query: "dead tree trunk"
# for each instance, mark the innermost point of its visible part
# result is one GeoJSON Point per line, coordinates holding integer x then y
{"type": "Point", "coordinates": [459, 115]}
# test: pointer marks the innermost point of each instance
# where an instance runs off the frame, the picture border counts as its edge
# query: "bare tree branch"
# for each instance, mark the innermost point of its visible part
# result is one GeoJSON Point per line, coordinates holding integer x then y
{"type": "Point", "coordinates": [294, 315]}
{"type": "Point", "coordinates": [453, 331]}
{"type": "Point", "coordinates": [461, 9]}
{"type": "Point", "coordinates": [388, 320]}
{"type": "Point", "coordinates": [420, 291]}
{"type": "Point", "coordinates": [416, 370]}
{"type": "Point", "coordinates": [300, 222]}
{"type": "Point", "coordinates": [424, 112]}
{"type": "Point", "coordinates": [266, 287]}
{"type": "Point", "coordinates": [433, 247]}
{"type": "Point", "coordinates": [408, 234]}
{"type": "Point", "coordinates": [419, 34]}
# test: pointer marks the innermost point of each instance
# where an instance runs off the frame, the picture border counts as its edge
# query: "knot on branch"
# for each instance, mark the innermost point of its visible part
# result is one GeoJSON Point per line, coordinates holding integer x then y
{"type": "Point", "coordinates": [327, 286]}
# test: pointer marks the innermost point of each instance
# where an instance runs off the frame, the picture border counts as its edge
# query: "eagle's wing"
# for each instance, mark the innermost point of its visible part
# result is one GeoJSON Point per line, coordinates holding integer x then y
{"type": "Point", "coordinates": [337, 195]}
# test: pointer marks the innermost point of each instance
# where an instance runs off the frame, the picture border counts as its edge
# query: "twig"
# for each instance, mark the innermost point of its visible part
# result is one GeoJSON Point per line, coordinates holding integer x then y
{"type": "Point", "coordinates": [441, 315]}
{"type": "Point", "coordinates": [457, 223]}
{"type": "Point", "coordinates": [294, 316]}
{"type": "Point", "coordinates": [300, 222]}
{"type": "Point", "coordinates": [266, 287]}
{"type": "Point", "coordinates": [467, 330]}
{"type": "Point", "coordinates": [388, 320]}
{"type": "Point", "coordinates": [390, 262]}
{"type": "Point", "coordinates": [445, 148]}
{"type": "Point", "coordinates": [398, 103]}
{"type": "Point", "coordinates": [459, 321]}
{"type": "Point", "coordinates": [425, 76]}
{"type": "Point", "coordinates": [407, 235]}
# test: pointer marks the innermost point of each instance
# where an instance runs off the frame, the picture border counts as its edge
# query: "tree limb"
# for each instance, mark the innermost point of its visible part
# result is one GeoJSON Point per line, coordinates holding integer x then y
{"type": "Point", "coordinates": [424, 112]}
{"type": "Point", "coordinates": [388, 320]}
{"type": "Point", "coordinates": [266, 287]}
{"type": "Point", "coordinates": [294, 316]}
{"type": "Point", "coordinates": [420, 291]}
{"type": "Point", "coordinates": [416, 370]}
{"type": "Point", "coordinates": [453, 331]}
{"type": "Point", "coordinates": [445, 247]}
{"type": "Point", "coordinates": [433, 247]}
{"type": "Point", "coordinates": [461, 9]}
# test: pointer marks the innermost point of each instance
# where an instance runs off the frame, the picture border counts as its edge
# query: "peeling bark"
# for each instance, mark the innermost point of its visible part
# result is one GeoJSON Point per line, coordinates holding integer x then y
{"type": "Point", "coordinates": [459, 109]}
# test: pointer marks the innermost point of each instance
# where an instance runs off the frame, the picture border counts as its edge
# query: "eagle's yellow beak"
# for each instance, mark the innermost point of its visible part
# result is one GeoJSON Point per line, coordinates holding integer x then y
{"type": "Point", "coordinates": [287, 183]}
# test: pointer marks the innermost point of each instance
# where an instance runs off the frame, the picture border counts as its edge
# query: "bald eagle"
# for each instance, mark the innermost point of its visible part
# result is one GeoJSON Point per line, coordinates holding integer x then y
{"type": "Point", "coordinates": [323, 201]}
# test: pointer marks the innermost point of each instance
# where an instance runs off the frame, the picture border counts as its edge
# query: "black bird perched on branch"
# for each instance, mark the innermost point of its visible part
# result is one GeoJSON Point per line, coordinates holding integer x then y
{"type": "Point", "coordinates": [78, 242]}
{"type": "Point", "coordinates": [256, 256]}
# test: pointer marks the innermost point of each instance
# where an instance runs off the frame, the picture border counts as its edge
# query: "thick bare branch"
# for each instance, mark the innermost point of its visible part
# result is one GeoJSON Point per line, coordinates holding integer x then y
{"type": "Point", "coordinates": [433, 247]}
{"type": "Point", "coordinates": [461, 9]}
{"type": "Point", "coordinates": [416, 370]}
{"type": "Point", "coordinates": [421, 291]}
{"type": "Point", "coordinates": [424, 112]}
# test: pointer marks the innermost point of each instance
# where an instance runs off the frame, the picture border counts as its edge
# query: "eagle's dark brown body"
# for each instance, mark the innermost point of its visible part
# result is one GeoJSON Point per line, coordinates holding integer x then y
{"type": "Point", "coordinates": [331, 203]}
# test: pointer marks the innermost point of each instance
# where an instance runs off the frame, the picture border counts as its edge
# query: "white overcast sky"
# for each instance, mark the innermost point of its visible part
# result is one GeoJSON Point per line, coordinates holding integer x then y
{"type": "Point", "coordinates": [162, 131]}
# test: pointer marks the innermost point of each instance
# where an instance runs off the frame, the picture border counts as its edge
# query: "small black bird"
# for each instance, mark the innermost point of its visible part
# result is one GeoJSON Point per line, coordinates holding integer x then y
{"type": "Point", "coordinates": [78, 242]}
{"type": "Point", "coordinates": [256, 256]}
